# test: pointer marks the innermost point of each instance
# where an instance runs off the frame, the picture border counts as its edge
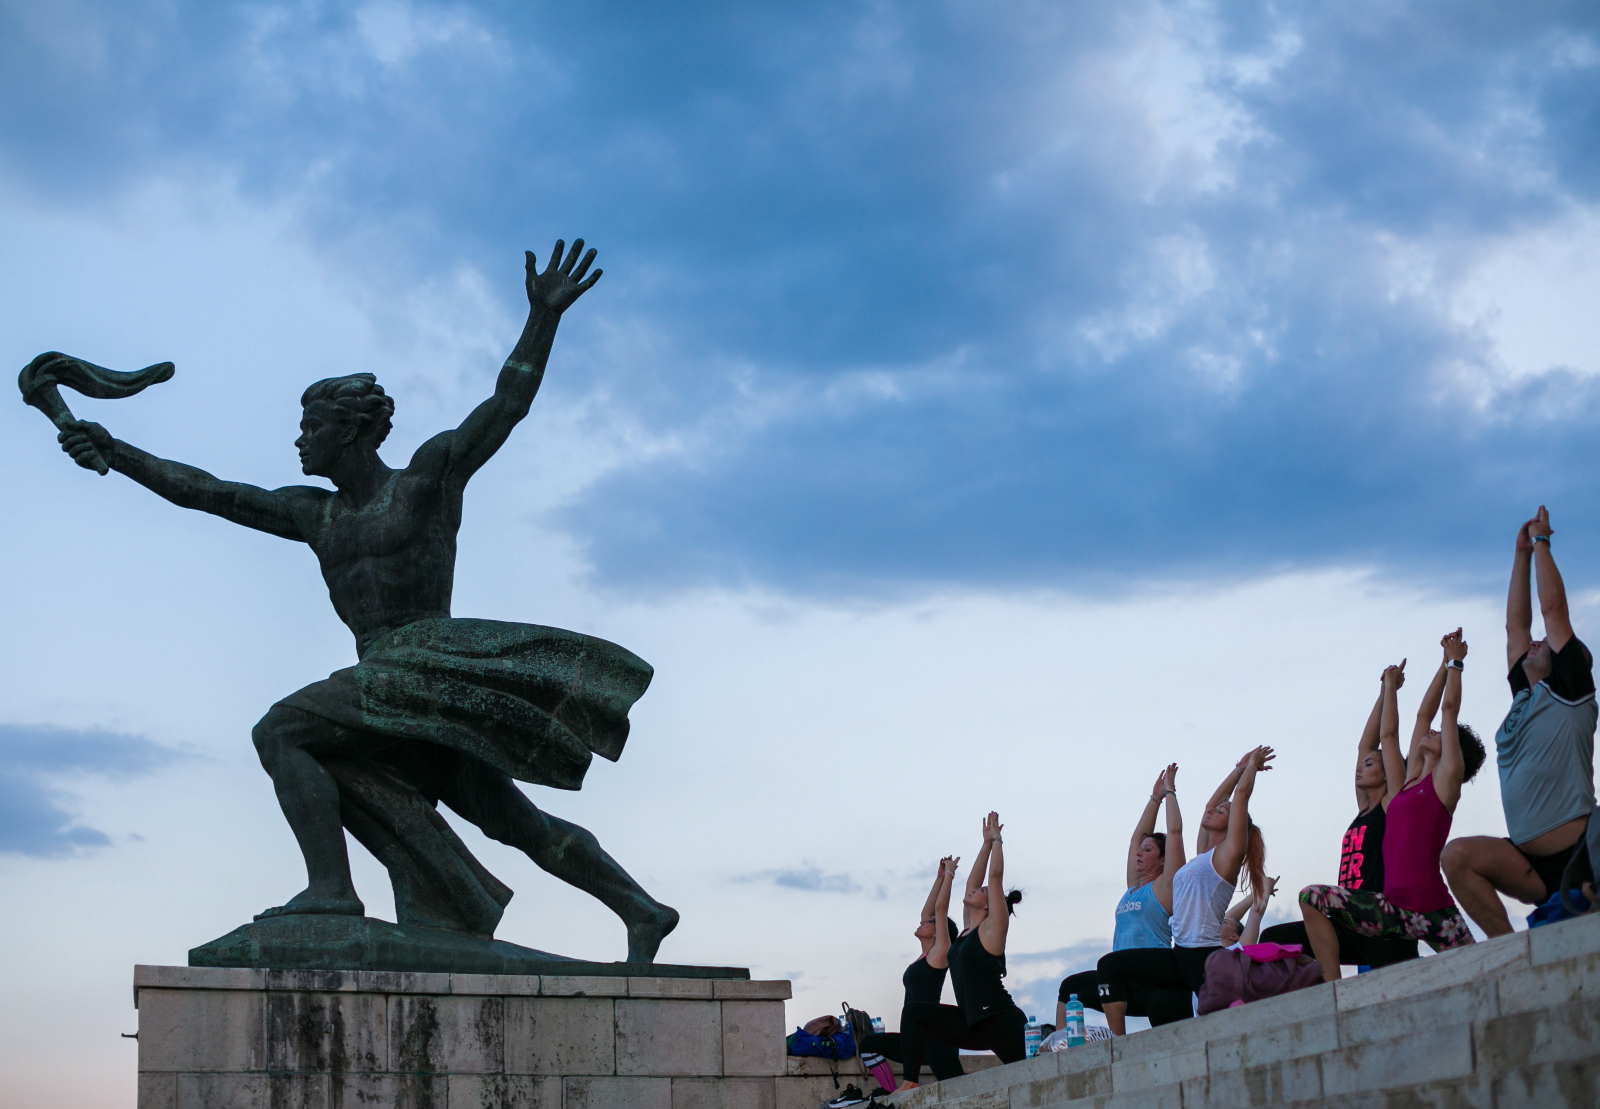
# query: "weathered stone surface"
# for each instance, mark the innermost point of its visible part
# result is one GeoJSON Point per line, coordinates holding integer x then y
{"type": "Point", "coordinates": [752, 1037]}
{"type": "Point", "coordinates": [1272, 1084]}
{"type": "Point", "coordinates": [327, 1032]}
{"type": "Point", "coordinates": [197, 978]}
{"type": "Point", "coordinates": [251, 1091]}
{"type": "Point", "coordinates": [1274, 1044]}
{"type": "Point", "coordinates": [1408, 979]}
{"type": "Point", "coordinates": [803, 1092]}
{"type": "Point", "coordinates": [1543, 1036]}
{"type": "Point", "coordinates": [1567, 940]}
{"type": "Point", "coordinates": [1551, 1086]}
{"type": "Point", "coordinates": [582, 986]}
{"type": "Point", "coordinates": [504, 1091]}
{"type": "Point", "coordinates": [1407, 1016]}
{"type": "Point", "coordinates": [387, 1091]}
{"type": "Point", "coordinates": [438, 1035]}
{"type": "Point", "coordinates": [753, 991]}
{"type": "Point", "coordinates": [1549, 985]}
{"type": "Point", "coordinates": [518, 985]}
{"type": "Point", "coordinates": [617, 1093]}
{"type": "Point", "coordinates": [567, 1035]}
{"type": "Point", "coordinates": [202, 1030]}
{"type": "Point", "coordinates": [669, 987]}
{"type": "Point", "coordinates": [1442, 1053]}
{"type": "Point", "coordinates": [723, 1093]}
{"type": "Point", "coordinates": [668, 1037]}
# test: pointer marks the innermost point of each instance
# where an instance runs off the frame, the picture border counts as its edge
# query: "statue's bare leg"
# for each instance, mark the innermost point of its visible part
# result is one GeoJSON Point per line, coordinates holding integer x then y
{"type": "Point", "coordinates": [309, 797]}
{"type": "Point", "coordinates": [492, 801]}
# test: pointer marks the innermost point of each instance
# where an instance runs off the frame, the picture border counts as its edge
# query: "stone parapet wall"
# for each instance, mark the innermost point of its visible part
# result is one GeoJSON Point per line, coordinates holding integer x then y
{"type": "Point", "coordinates": [1513, 1023]}
{"type": "Point", "coordinates": [222, 1038]}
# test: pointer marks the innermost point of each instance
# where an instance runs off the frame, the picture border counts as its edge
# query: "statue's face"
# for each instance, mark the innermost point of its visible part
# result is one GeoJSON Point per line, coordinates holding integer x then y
{"type": "Point", "coordinates": [323, 438]}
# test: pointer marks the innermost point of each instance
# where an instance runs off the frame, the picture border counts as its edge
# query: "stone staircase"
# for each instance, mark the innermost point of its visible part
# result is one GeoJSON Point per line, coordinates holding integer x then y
{"type": "Point", "coordinates": [1507, 1024]}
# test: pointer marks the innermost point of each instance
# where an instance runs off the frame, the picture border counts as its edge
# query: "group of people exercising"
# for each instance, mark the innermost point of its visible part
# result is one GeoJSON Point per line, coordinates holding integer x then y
{"type": "Point", "coordinates": [1390, 892]}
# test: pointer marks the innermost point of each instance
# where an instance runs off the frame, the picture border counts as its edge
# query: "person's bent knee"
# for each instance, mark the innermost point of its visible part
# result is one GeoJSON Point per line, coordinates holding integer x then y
{"type": "Point", "coordinates": [281, 729]}
{"type": "Point", "coordinates": [1459, 857]}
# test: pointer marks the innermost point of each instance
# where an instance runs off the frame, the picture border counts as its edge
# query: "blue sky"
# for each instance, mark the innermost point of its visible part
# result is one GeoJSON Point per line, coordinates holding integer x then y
{"type": "Point", "coordinates": [948, 356]}
{"type": "Point", "coordinates": [934, 294]}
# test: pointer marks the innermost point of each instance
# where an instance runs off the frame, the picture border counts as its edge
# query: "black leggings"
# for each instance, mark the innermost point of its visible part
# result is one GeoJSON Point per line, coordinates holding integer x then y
{"type": "Point", "coordinates": [1161, 1006]}
{"type": "Point", "coordinates": [943, 1060]}
{"type": "Point", "coordinates": [1002, 1033]}
{"type": "Point", "coordinates": [1153, 968]}
{"type": "Point", "coordinates": [1354, 950]}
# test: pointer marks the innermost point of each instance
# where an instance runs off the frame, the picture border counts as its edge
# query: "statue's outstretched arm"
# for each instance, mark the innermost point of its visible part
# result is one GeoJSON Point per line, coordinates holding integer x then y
{"type": "Point", "coordinates": [549, 295]}
{"type": "Point", "coordinates": [274, 511]}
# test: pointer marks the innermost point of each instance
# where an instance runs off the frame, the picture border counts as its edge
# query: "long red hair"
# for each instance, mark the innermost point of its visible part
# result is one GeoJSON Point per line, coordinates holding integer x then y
{"type": "Point", "coordinates": [1254, 871]}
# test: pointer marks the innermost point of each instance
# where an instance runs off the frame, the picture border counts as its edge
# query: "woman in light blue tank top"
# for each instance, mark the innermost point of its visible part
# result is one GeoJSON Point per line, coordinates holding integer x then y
{"type": "Point", "coordinates": [1144, 912]}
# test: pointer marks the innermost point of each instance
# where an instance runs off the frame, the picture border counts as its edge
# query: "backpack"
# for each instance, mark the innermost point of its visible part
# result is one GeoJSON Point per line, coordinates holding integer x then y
{"type": "Point", "coordinates": [1254, 972]}
{"type": "Point", "coordinates": [824, 1038]}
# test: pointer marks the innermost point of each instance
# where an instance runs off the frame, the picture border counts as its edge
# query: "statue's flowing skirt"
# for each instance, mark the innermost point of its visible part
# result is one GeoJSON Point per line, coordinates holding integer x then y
{"type": "Point", "coordinates": [536, 703]}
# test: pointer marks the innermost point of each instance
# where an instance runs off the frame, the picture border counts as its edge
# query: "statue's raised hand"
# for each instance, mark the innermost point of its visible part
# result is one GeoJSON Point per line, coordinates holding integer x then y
{"type": "Point", "coordinates": [562, 281]}
{"type": "Point", "coordinates": [86, 442]}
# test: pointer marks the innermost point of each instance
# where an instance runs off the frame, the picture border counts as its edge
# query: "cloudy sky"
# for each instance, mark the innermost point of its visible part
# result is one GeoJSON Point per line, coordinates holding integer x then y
{"type": "Point", "coordinates": [984, 404]}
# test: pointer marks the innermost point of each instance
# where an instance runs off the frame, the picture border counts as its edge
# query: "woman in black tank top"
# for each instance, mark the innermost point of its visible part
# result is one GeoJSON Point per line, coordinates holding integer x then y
{"type": "Point", "coordinates": [924, 980]}
{"type": "Point", "coordinates": [984, 1018]}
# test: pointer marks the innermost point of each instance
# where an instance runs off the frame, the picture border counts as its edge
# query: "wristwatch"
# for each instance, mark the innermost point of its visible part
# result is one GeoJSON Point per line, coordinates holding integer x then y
{"type": "Point", "coordinates": [1456, 664]}
{"type": "Point", "coordinates": [1539, 538]}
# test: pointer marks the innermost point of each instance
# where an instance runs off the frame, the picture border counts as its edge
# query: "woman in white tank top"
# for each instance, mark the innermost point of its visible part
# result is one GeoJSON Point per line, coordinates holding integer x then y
{"type": "Point", "coordinates": [1228, 843]}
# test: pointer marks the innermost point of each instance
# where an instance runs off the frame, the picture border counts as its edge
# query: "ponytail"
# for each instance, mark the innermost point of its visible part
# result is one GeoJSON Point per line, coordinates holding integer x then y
{"type": "Point", "coordinates": [1254, 871]}
{"type": "Point", "coordinates": [1013, 899]}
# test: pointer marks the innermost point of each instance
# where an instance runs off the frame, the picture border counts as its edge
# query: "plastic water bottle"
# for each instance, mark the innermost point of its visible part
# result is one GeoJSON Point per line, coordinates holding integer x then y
{"type": "Point", "coordinates": [1074, 1022]}
{"type": "Point", "coordinates": [877, 1024]}
{"type": "Point", "coordinates": [1033, 1036]}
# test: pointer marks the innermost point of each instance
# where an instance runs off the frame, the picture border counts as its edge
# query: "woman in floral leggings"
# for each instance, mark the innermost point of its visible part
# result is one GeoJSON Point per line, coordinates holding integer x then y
{"type": "Point", "coordinates": [1424, 790]}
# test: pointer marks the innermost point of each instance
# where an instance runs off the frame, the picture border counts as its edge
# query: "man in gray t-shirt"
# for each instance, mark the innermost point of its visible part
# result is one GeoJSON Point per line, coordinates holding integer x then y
{"type": "Point", "coordinates": [1544, 750]}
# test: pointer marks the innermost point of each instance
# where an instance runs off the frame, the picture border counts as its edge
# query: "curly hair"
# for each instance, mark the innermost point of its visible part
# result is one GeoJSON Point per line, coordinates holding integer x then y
{"type": "Point", "coordinates": [357, 398]}
{"type": "Point", "coordinates": [1472, 752]}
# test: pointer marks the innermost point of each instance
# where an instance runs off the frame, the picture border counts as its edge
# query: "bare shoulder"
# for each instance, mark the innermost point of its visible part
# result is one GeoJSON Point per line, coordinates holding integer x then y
{"type": "Point", "coordinates": [302, 501]}
{"type": "Point", "coordinates": [432, 459]}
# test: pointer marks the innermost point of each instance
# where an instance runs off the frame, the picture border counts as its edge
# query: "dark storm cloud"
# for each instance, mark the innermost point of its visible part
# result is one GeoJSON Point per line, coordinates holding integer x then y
{"type": "Point", "coordinates": [946, 293]}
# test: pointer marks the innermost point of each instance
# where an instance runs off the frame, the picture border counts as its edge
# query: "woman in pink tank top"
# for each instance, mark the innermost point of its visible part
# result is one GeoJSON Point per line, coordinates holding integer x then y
{"type": "Point", "coordinates": [1423, 791]}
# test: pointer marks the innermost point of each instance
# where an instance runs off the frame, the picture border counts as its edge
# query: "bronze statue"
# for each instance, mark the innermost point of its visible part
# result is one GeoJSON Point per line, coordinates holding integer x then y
{"type": "Point", "coordinates": [437, 708]}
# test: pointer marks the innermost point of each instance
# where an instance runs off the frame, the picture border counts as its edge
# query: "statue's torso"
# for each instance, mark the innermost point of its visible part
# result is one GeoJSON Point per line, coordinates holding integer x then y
{"type": "Point", "coordinates": [392, 560]}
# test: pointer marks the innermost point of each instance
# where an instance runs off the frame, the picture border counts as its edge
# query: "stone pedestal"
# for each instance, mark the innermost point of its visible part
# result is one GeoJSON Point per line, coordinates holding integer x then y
{"type": "Point", "coordinates": [250, 1038]}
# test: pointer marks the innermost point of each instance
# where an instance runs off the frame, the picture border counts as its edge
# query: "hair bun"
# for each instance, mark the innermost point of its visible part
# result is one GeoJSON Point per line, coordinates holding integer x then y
{"type": "Point", "coordinates": [1014, 897]}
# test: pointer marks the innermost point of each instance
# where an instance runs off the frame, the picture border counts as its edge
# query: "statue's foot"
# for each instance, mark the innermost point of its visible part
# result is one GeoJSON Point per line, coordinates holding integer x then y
{"type": "Point", "coordinates": [307, 902]}
{"type": "Point", "coordinates": [645, 936]}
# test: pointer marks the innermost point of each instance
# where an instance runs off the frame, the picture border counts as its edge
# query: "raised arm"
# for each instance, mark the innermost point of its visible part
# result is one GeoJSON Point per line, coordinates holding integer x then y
{"type": "Point", "coordinates": [276, 511]}
{"type": "Point", "coordinates": [1146, 825]}
{"type": "Point", "coordinates": [1174, 860]}
{"type": "Point", "coordinates": [1204, 840]}
{"type": "Point", "coordinates": [1258, 911]}
{"type": "Point", "coordinates": [1519, 601]}
{"type": "Point", "coordinates": [939, 955]}
{"type": "Point", "coordinates": [1368, 744]}
{"type": "Point", "coordinates": [1394, 763]}
{"type": "Point", "coordinates": [933, 892]}
{"type": "Point", "coordinates": [992, 932]}
{"type": "Point", "coordinates": [979, 866]}
{"type": "Point", "coordinates": [1426, 711]}
{"type": "Point", "coordinates": [1447, 775]}
{"type": "Point", "coordinates": [1230, 854]}
{"type": "Point", "coordinates": [1552, 590]}
{"type": "Point", "coordinates": [550, 293]}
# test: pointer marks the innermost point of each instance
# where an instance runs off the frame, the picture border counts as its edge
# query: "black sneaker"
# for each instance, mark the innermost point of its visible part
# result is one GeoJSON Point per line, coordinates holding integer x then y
{"type": "Point", "coordinates": [852, 1096]}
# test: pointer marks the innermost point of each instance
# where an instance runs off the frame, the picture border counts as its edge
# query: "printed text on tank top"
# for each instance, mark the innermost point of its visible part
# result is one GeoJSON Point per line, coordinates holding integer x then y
{"type": "Point", "coordinates": [1360, 859]}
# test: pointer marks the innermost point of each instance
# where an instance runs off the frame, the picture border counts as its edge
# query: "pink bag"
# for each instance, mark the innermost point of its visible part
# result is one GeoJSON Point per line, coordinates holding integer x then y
{"type": "Point", "coordinates": [1254, 972]}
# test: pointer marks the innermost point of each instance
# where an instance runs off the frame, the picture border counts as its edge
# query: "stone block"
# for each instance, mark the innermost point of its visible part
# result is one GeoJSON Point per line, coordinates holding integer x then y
{"type": "Point", "coordinates": [1459, 1093]}
{"type": "Point", "coordinates": [1395, 983]}
{"type": "Point", "coordinates": [670, 987]}
{"type": "Point", "coordinates": [1141, 1070]}
{"type": "Point", "coordinates": [1561, 1035]}
{"type": "Point", "coordinates": [993, 1099]}
{"type": "Point", "coordinates": [1082, 1072]}
{"type": "Point", "coordinates": [444, 1034]}
{"type": "Point", "coordinates": [1151, 1097]}
{"type": "Point", "coordinates": [668, 1037]}
{"type": "Point", "coordinates": [1272, 1084]}
{"type": "Point", "coordinates": [1474, 1000]}
{"type": "Point", "coordinates": [804, 1093]}
{"type": "Point", "coordinates": [320, 981]}
{"type": "Point", "coordinates": [1551, 1085]}
{"type": "Point", "coordinates": [752, 1038]}
{"type": "Point", "coordinates": [582, 985]}
{"type": "Point", "coordinates": [387, 1091]}
{"type": "Point", "coordinates": [202, 1030]}
{"type": "Point", "coordinates": [1438, 1055]}
{"type": "Point", "coordinates": [504, 985]}
{"type": "Point", "coordinates": [327, 1032]}
{"type": "Point", "coordinates": [560, 1035]}
{"type": "Point", "coordinates": [722, 1093]}
{"type": "Point", "coordinates": [1550, 985]}
{"type": "Point", "coordinates": [982, 1080]}
{"type": "Point", "coordinates": [1566, 940]}
{"type": "Point", "coordinates": [751, 991]}
{"type": "Point", "coordinates": [401, 981]}
{"type": "Point", "coordinates": [251, 1091]}
{"type": "Point", "coordinates": [157, 1091]}
{"type": "Point", "coordinates": [618, 1093]}
{"type": "Point", "coordinates": [504, 1091]}
{"type": "Point", "coordinates": [1273, 1044]}
{"type": "Point", "coordinates": [809, 1066]}
{"type": "Point", "coordinates": [197, 978]}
